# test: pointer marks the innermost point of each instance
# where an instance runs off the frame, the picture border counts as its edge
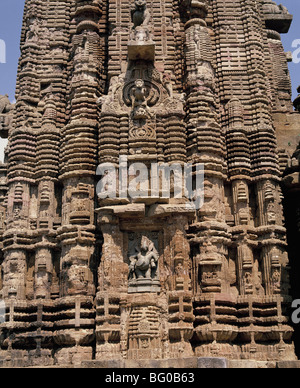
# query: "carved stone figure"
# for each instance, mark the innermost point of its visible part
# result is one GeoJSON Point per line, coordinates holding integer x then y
{"type": "Point", "coordinates": [167, 82]}
{"type": "Point", "coordinates": [140, 14]}
{"type": "Point", "coordinates": [271, 7]}
{"type": "Point", "coordinates": [141, 45]}
{"type": "Point", "coordinates": [140, 109]}
{"type": "Point", "coordinates": [144, 263]}
{"type": "Point", "coordinates": [5, 104]}
{"type": "Point", "coordinates": [6, 115]}
{"type": "Point", "coordinates": [143, 275]}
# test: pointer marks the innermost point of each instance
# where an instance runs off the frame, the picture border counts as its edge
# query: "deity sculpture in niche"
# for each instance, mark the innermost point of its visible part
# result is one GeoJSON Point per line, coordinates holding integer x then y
{"type": "Point", "coordinates": [248, 282]}
{"type": "Point", "coordinates": [210, 267]}
{"type": "Point", "coordinates": [270, 203]}
{"type": "Point", "coordinates": [140, 108]}
{"type": "Point", "coordinates": [143, 265]}
{"type": "Point", "coordinates": [210, 277]}
{"type": "Point", "coordinates": [276, 270]}
{"type": "Point", "coordinates": [276, 281]}
{"type": "Point", "coordinates": [145, 259]}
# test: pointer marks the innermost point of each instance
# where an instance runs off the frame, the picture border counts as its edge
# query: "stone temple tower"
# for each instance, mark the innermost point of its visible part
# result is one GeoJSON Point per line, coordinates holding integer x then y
{"type": "Point", "coordinates": [109, 94]}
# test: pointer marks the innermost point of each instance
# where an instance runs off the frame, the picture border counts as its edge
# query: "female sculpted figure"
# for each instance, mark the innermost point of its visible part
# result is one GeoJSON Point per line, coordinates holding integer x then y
{"type": "Point", "coordinates": [144, 261]}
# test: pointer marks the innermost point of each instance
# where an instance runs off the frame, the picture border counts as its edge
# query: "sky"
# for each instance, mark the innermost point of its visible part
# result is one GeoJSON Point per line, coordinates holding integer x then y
{"type": "Point", "coordinates": [291, 38]}
{"type": "Point", "coordinates": [11, 13]}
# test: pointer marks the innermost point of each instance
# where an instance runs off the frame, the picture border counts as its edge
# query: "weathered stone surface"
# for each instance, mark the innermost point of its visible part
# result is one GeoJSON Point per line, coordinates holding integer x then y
{"type": "Point", "coordinates": [288, 365]}
{"type": "Point", "coordinates": [212, 363]}
{"type": "Point", "coordinates": [184, 363]}
{"type": "Point", "coordinates": [107, 259]}
{"type": "Point", "coordinates": [251, 364]}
